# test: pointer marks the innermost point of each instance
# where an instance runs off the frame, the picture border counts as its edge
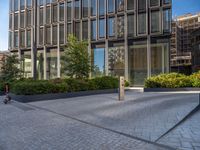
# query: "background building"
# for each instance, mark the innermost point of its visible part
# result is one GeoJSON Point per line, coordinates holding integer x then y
{"type": "Point", "coordinates": [181, 42]}
{"type": "Point", "coordinates": [126, 37]}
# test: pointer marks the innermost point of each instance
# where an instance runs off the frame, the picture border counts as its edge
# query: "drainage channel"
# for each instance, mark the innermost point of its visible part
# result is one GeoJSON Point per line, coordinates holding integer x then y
{"type": "Point", "coordinates": [104, 128]}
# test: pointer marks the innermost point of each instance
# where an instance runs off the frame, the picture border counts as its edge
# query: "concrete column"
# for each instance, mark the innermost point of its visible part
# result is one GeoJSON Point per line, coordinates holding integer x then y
{"type": "Point", "coordinates": [58, 52]}
{"type": "Point", "coordinates": [106, 57]}
{"type": "Point", "coordinates": [45, 62]}
{"type": "Point", "coordinates": [148, 56]}
{"type": "Point", "coordinates": [126, 48]}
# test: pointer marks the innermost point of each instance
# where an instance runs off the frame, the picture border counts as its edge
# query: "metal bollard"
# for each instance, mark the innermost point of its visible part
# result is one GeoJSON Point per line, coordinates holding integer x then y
{"type": "Point", "coordinates": [121, 88]}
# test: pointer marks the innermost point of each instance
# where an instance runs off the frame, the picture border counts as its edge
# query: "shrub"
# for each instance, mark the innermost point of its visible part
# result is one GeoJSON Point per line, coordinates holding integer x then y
{"type": "Point", "coordinates": [2, 84]}
{"type": "Point", "coordinates": [195, 79]}
{"type": "Point", "coordinates": [171, 80]}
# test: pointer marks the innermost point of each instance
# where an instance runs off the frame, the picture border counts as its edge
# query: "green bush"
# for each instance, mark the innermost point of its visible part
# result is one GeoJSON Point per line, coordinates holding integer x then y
{"type": "Point", "coordinates": [171, 80]}
{"type": "Point", "coordinates": [195, 78]}
{"type": "Point", "coordinates": [2, 84]}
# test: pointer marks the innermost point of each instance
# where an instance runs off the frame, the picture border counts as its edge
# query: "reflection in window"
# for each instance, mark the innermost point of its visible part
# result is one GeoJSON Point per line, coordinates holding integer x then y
{"type": "Point", "coordinates": [10, 21]}
{"type": "Point", "coordinates": [131, 25]}
{"type": "Point", "coordinates": [22, 39]}
{"type": "Point", "coordinates": [28, 19]}
{"type": "Point", "coordinates": [51, 64]}
{"type": "Point", "coordinates": [116, 61]}
{"type": "Point", "coordinates": [111, 6]}
{"type": "Point", "coordinates": [48, 19]}
{"type": "Point", "coordinates": [10, 39]}
{"type": "Point", "coordinates": [167, 1]}
{"type": "Point", "coordinates": [142, 5]}
{"type": "Point", "coordinates": [85, 30]}
{"type": "Point", "coordinates": [41, 36]}
{"type": "Point", "coordinates": [85, 8]}
{"type": "Point", "coordinates": [69, 29]}
{"type": "Point", "coordinates": [111, 27]}
{"type": "Point", "coordinates": [26, 63]}
{"type": "Point", "coordinates": [16, 40]}
{"type": "Point", "coordinates": [22, 20]}
{"type": "Point", "coordinates": [61, 12]}
{"type": "Point", "coordinates": [29, 3]}
{"type": "Point", "coordinates": [120, 5]}
{"type": "Point", "coordinates": [22, 4]}
{"type": "Point", "coordinates": [101, 7]}
{"type": "Point", "coordinates": [93, 7]}
{"type": "Point", "coordinates": [40, 2]}
{"type": "Point", "coordinates": [130, 4]}
{"type": "Point", "coordinates": [77, 9]}
{"type": "Point", "coordinates": [98, 62]}
{"type": "Point", "coordinates": [69, 11]}
{"type": "Point", "coordinates": [15, 5]}
{"type": "Point", "coordinates": [48, 35]}
{"type": "Point", "coordinates": [55, 17]}
{"type": "Point", "coordinates": [62, 38]}
{"type": "Point", "coordinates": [93, 30]}
{"type": "Point", "coordinates": [155, 22]}
{"type": "Point", "coordinates": [167, 20]}
{"type": "Point", "coordinates": [154, 3]}
{"type": "Point", "coordinates": [40, 65]}
{"type": "Point", "coordinates": [16, 21]}
{"type": "Point", "coordinates": [142, 23]}
{"type": "Point", "coordinates": [120, 26]}
{"type": "Point", "coordinates": [41, 16]}
{"type": "Point", "coordinates": [28, 38]}
{"type": "Point", "coordinates": [55, 33]}
{"type": "Point", "coordinates": [101, 28]}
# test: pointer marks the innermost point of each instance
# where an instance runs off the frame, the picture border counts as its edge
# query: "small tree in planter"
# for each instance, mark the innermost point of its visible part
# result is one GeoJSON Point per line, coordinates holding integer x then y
{"type": "Point", "coordinates": [76, 60]}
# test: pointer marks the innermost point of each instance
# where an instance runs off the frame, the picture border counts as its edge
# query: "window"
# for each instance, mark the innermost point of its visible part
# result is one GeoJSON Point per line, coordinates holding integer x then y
{"type": "Point", "coordinates": [93, 30]}
{"type": "Point", "coordinates": [26, 63]}
{"type": "Point", "coordinates": [85, 30]}
{"type": "Point", "coordinates": [16, 5]}
{"type": "Point", "coordinates": [154, 3]}
{"type": "Point", "coordinates": [29, 3]}
{"type": "Point", "coordinates": [85, 8]}
{"type": "Point", "coordinates": [48, 1]}
{"type": "Point", "coordinates": [48, 35]}
{"type": "Point", "coordinates": [16, 40]}
{"type": "Point", "coordinates": [28, 38]}
{"type": "Point", "coordinates": [69, 29]}
{"type": "Point", "coordinates": [55, 17]}
{"type": "Point", "coordinates": [130, 4]}
{"type": "Point", "coordinates": [111, 6]}
{"type": "Point", "coordinates": [111, 27]}
{"type": "Point", "coordinates": [51, 64]}
{"type": "Point", "coordinates": [69, 11]}
{"type": "Point", "coordinates": [41, 17]}
{"type": "Point", "coordinates": [10, 39]}
{"type": "Point", "coordinates": [142, 5]}
{"type": "Point", "coordinates": [131, 25]}
{"type": "Point", "coordinates": [101, 28]}
{"type": "Point", "coordinates": [61, 12]}
{"type": "Point", "coordinates": [22, 20]}
{"type": "Point", "coordinates": [167, 1]}
{"type": "Point", "coordinates": [93, 7]}
{"type": "Point", "coordinates": [22, 3]}
{"type": "Point", "coordinates": [41, 36]}
{"type": "Point", "coordinates": [28, 19]}
{"type": "Point", "coordinates": [120, 5]}
{"type": "Point", "coordinates": [48, 15]}
{"type": "Point", "coordinates": [16, 21]}
{"type": "Point", "coordinates": [120, 26]}
{"type": "Point", "coordinates": [10, 21]}
{"type": "Point", "coordinates": [40, 2]}
{"type": "Point", "coordinates": [155, 21]}
{"type": "Point", "coordinates": [101, 7]}
{"type": "Point", "coordinates": [77, 9]}
{"type": "Point", "coordinates": [142, 23]}
{"type": "Point", "coordinates": [77, 30]}
{"type": "Point", "coordinates": [22, 39]}
{"type": "Point", "coordinates": [55, 35]}
{"type": "Point", "coordinates": [62, 34]}
{"type": "Point", "coordinates": [167, 20]}
{"type": "Point", "coordinates": [11, 5]}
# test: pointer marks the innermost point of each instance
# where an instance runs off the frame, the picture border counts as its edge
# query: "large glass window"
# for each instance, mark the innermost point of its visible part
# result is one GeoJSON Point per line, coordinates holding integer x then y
{"type": "Point", "coordinates": [22, 4]}
{"type": "Point", "coordinates": [16, 40]}
{"type": "Point", "coordinates": [69, 11]}
{"type": "Point", "coordinates": [41, 16]}
{"type": "Point", "coordinates": [93, 30]}
{"type": "Point", "coordinates": [138, 63]}
{"type": "Point", "coordinates": [111, 27]}
{"type": "Point", "coordinates": [48, 15]}
{"type": "Point", "coordinates": [10, 39]}
{"type": "Point", "coordinates": [101, 7]}
{"type": "Point", "coordinates": [28, 38]}
{"type": "Point", "coordinates": [120, 5]}
{"type": "Point", "coordinates": [155, 21]}
{"type": "Point", "coordinates": [22, 19]}
{"type": "Point", "coordinates": [69, 29]}
{"type": "Point", "coordinates": [26, 63]}
{"type": "Point", "coordinates": [85, 30]}
{"type": "Point", "coordinates": [85, 8]}
{"type": "Point", "coordinates": [142, 5]}
{"type": "Point", "coordinates": [28, 19]}
{"type": "Point", "coordinates": [93, 7]}
{"type": "Point", "coordinates": [98, 61]}
{"type": "Point", "coordinates": [130, 4]}
{"type": "Point", "coordinates": [40, 64]}
{"type": "Point", "coordinates": [48, 1]}
{"type": "Point", "coordinates": [16, 21]}
{"type": "Point", "coordinates": [62, 34]}
{"type": "Point", "coordinates": [51, 64]}
{"type": "Point", "coordinates": [77, 30]}
{"type": "Point", "coordinates": [29, 3]}
{"type": "Point", "coordinates": [116, 61]}
{"type": "Point", "coordinates": [10, 21]}
{"type": "Point", "coordinates": [167, 20]}
{"type": "Point", "coordinates": [120, 26]}
{"type": "Point", "coordinates": [167, 1]}
{"type": "Point", "coordinates": [55, 35]}
{"type": "Point", "coordinates": [154, 3]}
{"type": "Point", "coordinates": [55, 16]}
{"type": "Point", "coordinates": [61, 12]}
{"type": "Point", "coordinates": [102, 28]}
{"type": "Point", "coordinates": [40, 2]}
{"type": "Point", "coordinates": [16, 5]}
{"type": "Point", "coordinates": [111, 6]}
{"type": "Point", "coordinates": [48, 35]}
{"type": "Point", "coordinates": [41, 36]}
{"type": "Point", "coordinates": [22, 39]}
{"type": "Point", "coordinates": [131, 25]}
{"type": "Point", "coordinates": [77, 9]}
{"type": "Point", "coordinates": [142, 23]}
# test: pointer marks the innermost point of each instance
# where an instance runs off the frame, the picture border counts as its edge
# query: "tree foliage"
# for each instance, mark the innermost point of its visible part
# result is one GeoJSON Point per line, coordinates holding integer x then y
{"type": "Point", "coordinates": [11, 68]}
{"type": "Point", "coordinates": [76, 60]}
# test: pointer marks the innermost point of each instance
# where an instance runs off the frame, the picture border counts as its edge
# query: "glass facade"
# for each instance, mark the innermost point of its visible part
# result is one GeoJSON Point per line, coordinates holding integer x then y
{"type": "Point", "coordinates": [26, 63]}
{"type": "Point", "coordinates": [109, 26]}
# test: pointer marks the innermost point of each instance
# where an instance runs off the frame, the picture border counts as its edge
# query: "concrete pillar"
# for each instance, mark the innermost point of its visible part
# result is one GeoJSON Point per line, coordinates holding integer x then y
{"type": "Point", "coordinates": [126, 47]}
{"type": "Point", "coordinates": [148, 56]}
{"type": "Point", "coordinates": [106, 57]}
{"type": "Point", "coordinates": [45, 62]}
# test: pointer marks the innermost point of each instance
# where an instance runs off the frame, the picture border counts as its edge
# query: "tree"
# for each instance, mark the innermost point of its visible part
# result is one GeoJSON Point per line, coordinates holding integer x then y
{"type": "Point", "coordinates": [10, 68]}
{"type": "Point", "coordinates": [76, 60]}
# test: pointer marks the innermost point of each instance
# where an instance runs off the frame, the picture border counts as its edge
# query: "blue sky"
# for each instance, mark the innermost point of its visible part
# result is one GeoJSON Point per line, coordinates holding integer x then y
{"type": "Point", "coordinates": [179, 7]}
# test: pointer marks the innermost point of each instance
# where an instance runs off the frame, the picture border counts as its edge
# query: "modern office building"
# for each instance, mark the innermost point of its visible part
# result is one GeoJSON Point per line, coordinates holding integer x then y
{"type": "Point", "coordinates": [128, 38]}
{"type": "Point", "coordinates": [181, 41]}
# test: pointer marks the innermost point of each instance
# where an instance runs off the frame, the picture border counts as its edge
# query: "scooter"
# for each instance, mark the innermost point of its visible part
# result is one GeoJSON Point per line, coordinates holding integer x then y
{"type": "Point", "coordinates": [7, 99]}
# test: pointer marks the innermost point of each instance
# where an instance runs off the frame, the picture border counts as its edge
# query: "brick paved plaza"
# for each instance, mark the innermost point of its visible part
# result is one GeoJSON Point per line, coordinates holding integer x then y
{"type": "Point", "coordinates": [101, 122]}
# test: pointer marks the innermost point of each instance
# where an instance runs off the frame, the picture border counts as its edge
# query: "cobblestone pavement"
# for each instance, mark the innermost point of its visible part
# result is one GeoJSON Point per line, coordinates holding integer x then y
{"type": "Point", "coordinates": [94, 122]}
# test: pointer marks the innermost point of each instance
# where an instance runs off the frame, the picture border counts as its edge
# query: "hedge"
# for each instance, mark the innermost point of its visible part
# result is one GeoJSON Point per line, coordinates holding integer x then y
{"type": "Point", "coordinates": [2, 84]}
{"type": "Point", "coordinates": [32, 87]}
{"type": "Point", "coordinates": [173, 80]}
